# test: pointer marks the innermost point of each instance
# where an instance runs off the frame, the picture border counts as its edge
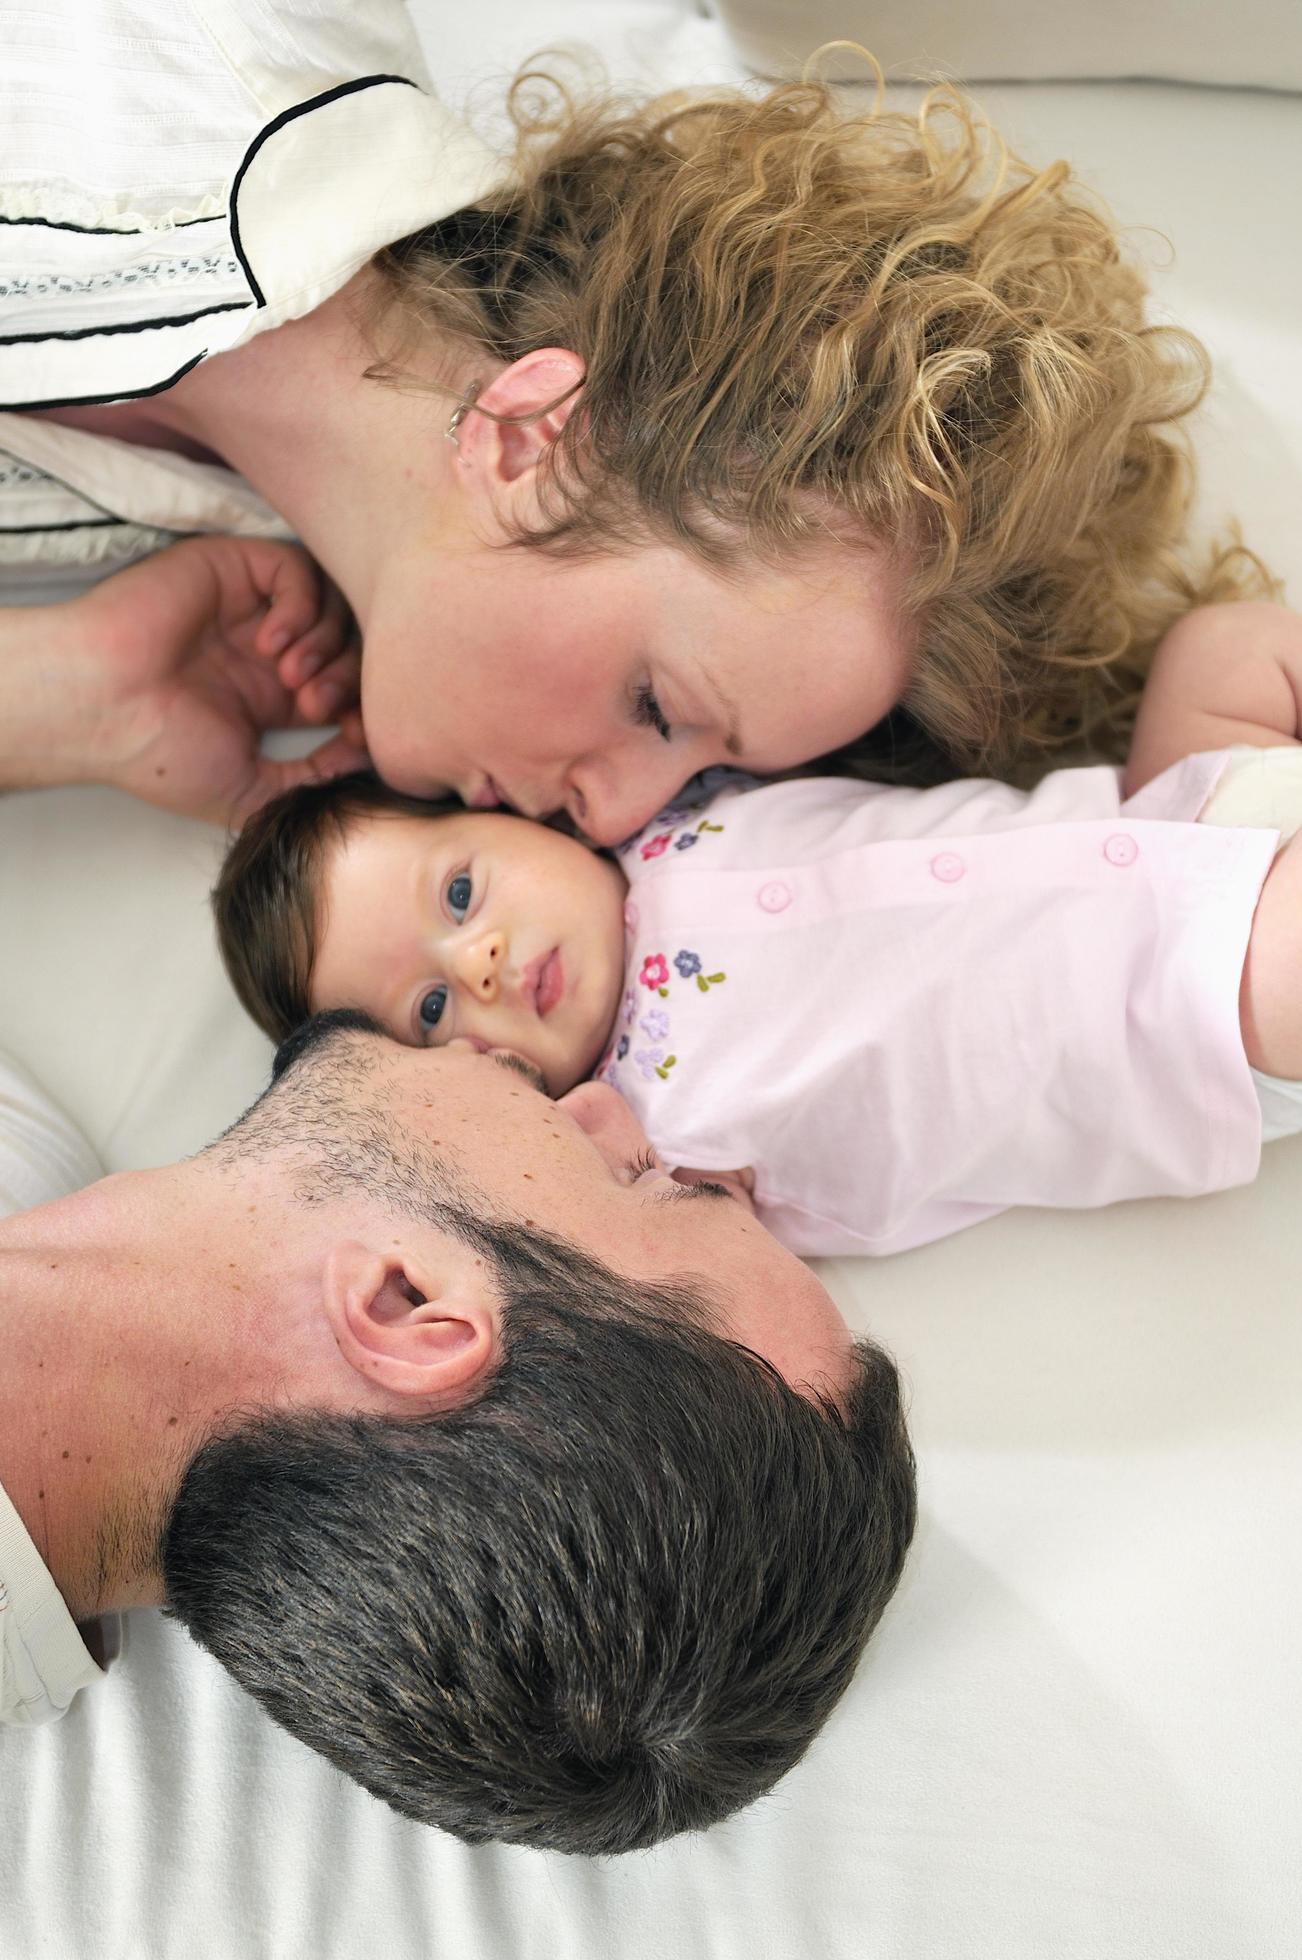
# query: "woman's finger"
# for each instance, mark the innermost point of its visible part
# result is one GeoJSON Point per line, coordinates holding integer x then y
{"type": "Point", "coordinates": [295, 593]}
{"type": "Point", "coordinates": [328, 634]}
{"type": "Point", "coordinates": [350, 724]}
{"type": "Point", "coordinates": [337, 757]}
{"type": "Point", "coordinates": [333, 692]}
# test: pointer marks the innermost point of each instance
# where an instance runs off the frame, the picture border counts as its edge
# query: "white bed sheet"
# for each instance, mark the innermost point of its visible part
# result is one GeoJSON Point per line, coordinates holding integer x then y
{"type": "Point", "coordinates": [1079, 1732]}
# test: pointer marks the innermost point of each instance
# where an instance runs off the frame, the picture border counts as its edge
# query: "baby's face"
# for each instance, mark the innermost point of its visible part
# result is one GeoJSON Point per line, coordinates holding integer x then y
{"type": "Point", "coordinates": [477, 925]}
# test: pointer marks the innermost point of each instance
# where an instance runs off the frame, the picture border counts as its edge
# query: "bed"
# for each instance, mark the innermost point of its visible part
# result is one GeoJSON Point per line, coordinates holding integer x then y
{"type": "Point", "coordinates": [1078, 1733]}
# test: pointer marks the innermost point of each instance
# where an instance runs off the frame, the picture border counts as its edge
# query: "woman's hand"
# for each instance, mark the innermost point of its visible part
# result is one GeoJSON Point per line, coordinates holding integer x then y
{"type": "Point", "coordinates": [189, 656]}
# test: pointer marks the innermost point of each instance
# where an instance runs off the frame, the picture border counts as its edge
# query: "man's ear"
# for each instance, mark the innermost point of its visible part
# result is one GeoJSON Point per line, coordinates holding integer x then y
{"type": "Point", "coordinates": [544, 388]}
{"type": "Point", "coordinates": [423, 1327]}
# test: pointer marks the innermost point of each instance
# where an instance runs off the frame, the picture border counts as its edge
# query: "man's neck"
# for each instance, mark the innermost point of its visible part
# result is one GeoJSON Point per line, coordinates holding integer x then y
{"type": "Point", "coordinates": [99, 1409]}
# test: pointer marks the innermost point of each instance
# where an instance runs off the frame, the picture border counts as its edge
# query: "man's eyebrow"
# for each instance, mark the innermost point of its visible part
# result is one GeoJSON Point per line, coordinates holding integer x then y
{"type": "Point", "coordinates": [506, 1058]}
{"type": "Point", "coordinates": [702, 1188]}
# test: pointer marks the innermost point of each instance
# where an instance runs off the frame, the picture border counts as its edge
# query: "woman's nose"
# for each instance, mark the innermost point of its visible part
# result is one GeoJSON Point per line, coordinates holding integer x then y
{"type": "Point", "coordinates": [610, 800]}
{"type": "Point", "coordinates": [480, 963]}
{"type": "Point", "coordinates": [606, 1118]}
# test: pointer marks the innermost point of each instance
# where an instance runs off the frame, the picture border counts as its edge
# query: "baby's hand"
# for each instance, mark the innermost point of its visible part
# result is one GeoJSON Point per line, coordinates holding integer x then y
{"type": "Point", "coordinates": [200, 649]}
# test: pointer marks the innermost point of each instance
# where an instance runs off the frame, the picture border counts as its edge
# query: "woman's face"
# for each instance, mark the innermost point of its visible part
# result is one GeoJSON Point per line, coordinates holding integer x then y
{"type": "Point", "coordinates": [600, 686]}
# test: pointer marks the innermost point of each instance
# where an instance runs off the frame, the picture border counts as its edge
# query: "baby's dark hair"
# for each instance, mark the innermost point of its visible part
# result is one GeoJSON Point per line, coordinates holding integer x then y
{"type": "Point", "coordinates": [267, 900]}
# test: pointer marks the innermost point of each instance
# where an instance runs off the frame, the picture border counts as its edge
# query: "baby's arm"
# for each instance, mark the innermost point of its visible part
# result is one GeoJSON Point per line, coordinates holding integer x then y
{"type": "Point", "coordinates": [1223, 674]}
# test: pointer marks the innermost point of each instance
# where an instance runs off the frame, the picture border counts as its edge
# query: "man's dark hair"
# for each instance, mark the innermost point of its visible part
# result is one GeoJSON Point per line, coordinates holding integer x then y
{"type": "Point", "coordinates": [612, 1599]}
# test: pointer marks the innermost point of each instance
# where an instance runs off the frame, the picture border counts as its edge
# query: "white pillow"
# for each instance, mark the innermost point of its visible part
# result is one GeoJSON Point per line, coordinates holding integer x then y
{"type": "Point", "coordinates": [1254, 45]}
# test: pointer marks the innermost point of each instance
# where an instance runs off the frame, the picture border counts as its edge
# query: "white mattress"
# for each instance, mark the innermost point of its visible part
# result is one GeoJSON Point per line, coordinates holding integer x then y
{"type": "Point", "coordinates": [1078, 1734]}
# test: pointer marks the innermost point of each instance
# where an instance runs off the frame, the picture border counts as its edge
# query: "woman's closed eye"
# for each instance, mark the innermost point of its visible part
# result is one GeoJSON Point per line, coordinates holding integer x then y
{"type": "Point", "coordinates": [647, 712]}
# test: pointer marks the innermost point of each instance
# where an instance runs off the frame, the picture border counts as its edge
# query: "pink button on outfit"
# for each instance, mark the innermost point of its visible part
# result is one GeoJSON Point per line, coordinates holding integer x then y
{"type": "Point", "coordinates": [909, 1009]}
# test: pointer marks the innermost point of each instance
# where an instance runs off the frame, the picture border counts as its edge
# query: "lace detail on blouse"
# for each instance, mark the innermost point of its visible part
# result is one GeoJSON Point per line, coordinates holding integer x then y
{"type": "Point", "coordinates": [12, 473]}
{"type": "Point", "coordinates": [157, 272]}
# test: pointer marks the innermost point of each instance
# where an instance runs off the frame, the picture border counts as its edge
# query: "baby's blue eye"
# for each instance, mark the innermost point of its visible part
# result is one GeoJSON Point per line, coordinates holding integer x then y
{"type": "Point", "coordinates": [430, 1012]}
{"type": "Point", "coordinates": [459, 891]}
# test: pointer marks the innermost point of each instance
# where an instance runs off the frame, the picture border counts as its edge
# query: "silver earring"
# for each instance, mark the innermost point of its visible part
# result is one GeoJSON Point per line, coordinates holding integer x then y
{"type": "Point", "coordinates": [460, 412]}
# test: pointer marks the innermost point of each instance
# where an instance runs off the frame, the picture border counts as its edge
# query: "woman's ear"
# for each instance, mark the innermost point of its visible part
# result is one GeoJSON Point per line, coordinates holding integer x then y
{"type": "Point", "coordinates": [544, 388]}
{"type": "Point", "coordinates": [424, 1327]}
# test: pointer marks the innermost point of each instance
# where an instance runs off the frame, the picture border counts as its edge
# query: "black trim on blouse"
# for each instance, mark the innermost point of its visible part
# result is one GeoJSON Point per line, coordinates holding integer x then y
{"type": "Point", "coordinates": [130, 326]}
{"type": "Point", "coordinates": [113, 231]}
{"type": "Point", "coordinates": [95, 401]}
{"type": "Point", "coordinates": [279, 122]}
{"type": "Point", "coordinates": [259, 298]}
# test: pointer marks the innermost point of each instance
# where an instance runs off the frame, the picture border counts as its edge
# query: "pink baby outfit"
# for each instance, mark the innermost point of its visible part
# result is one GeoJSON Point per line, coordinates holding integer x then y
{"type": "Point", "coordinates": [910, 1009]}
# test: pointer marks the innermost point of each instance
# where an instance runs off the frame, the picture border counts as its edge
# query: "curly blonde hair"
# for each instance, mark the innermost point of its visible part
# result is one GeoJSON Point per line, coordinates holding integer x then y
{"type": "Point", "coordinates": [796, 320]}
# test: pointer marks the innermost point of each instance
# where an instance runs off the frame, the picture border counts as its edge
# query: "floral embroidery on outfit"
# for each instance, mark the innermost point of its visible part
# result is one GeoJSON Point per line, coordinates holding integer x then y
{"type": "Point", "coordinates": [689, 968]}
{"type": "Point", "coordinates": [678, 827]}
{"type": "Point", "coordinates": [685, 820]}
{"type": "Point", "coordinates": [654, 1061]}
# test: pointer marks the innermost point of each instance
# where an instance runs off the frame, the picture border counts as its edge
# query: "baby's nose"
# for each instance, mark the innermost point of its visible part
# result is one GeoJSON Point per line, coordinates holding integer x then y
{"type": "Point", "coordinates": [483, 962]}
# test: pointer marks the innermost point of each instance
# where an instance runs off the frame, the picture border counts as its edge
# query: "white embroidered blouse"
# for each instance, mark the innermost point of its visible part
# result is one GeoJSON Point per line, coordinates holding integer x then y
{"type": "Point", "coordinates": [173, 180]}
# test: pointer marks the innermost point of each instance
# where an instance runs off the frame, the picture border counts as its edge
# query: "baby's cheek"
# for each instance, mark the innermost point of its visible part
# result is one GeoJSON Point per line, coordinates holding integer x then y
{"type": "Point", "coordinates": [564, 1072]}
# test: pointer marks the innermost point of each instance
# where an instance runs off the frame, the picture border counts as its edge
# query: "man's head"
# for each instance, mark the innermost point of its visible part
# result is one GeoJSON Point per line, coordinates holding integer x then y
{"type": "Point", "coordinates": [593, 1551]}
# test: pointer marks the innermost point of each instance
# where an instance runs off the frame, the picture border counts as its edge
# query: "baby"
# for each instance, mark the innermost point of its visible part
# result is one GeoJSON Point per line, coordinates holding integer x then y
{"type": "Point", "coordinates": [877, 1014]}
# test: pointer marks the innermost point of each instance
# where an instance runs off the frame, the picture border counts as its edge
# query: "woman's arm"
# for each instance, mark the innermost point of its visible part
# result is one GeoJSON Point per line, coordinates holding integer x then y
{"type": "Point", "coordinates": [1223, 674]}
{"type": "Point", "coordinates": [52, 705]}
{"type": "Point", "coordinates": [163, 679]}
